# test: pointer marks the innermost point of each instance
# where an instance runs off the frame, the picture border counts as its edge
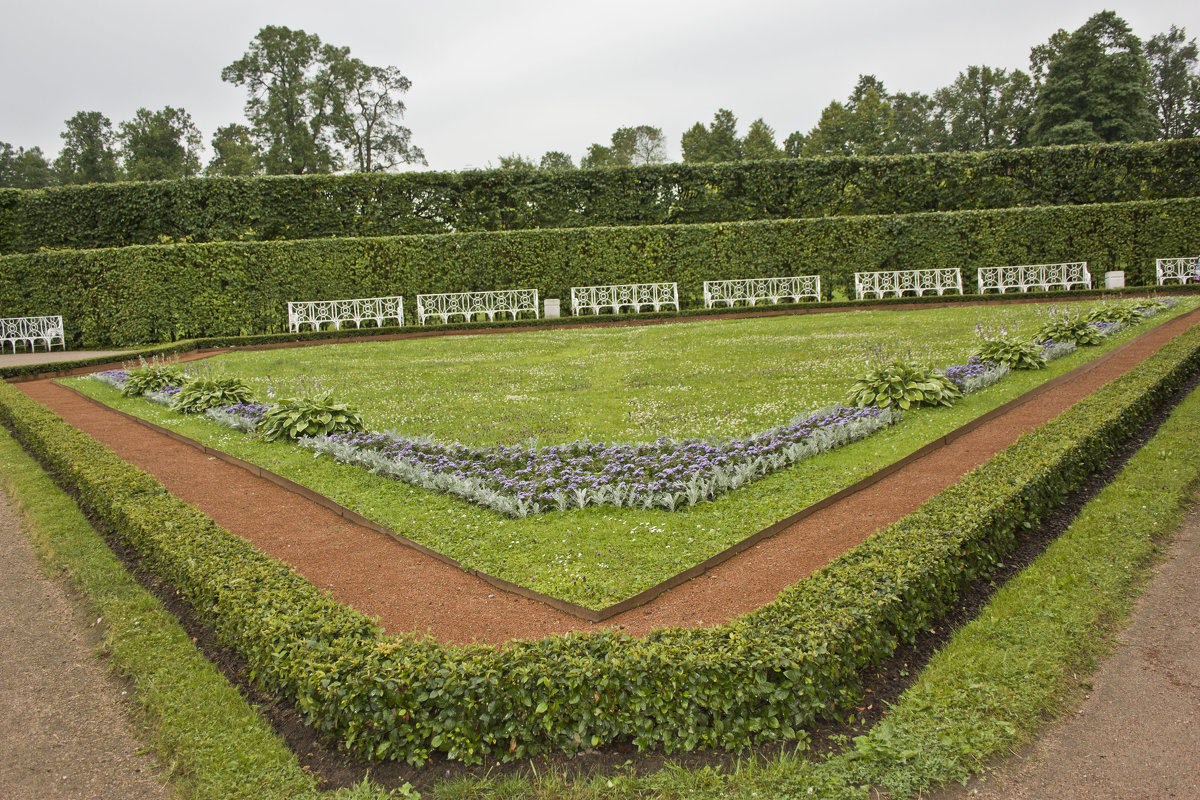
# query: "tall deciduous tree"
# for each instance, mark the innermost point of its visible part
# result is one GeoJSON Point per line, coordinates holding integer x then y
{"type": "Point", "coordinates": [1175, 84]}
{"type": "Point", "coordinates": [159, 145]}
{"type": "Point", "coordinates": [984, 109]}
{"type": "Point", "coordinates": [234, 152]}
{"type": "Point", "coordinates": [87, 154]}
{"type": "Point", "coordinates": [278, 72]}
{"type": "Point", "coordinates": [556, 160]}
{"type": "Point", "coordinates": [759, 142]}
{"type": "Point", "coordinates": [1097, 88]}
{"type": "Point", "coordinates": [642, 144]}
{"type": "Point", "coordinates": [24, 169]}
{"type": "Point", "coordinates": [363, 107]}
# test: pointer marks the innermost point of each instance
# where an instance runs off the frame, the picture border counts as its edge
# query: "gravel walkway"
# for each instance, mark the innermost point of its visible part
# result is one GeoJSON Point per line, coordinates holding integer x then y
{"type": "Point", "coordinates": [64, 730]}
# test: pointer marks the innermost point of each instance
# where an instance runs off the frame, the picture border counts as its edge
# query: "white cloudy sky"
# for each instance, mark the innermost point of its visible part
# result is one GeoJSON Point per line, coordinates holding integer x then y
{"type": "Point", "coordinates": [527, 76]}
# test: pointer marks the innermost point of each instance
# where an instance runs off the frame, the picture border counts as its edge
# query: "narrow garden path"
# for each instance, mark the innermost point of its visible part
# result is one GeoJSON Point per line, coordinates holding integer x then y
{"type": "Point", "coordinates": [63, 729]}
{"type": "Point", "coordinates": [409, 591]}
{"type": "Point", "coordinates": [1137, 733]}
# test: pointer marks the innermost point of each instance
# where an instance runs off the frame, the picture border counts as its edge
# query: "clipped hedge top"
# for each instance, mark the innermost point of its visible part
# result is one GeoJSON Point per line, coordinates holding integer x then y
{"type": "Point", "coordinates": [379, 204]}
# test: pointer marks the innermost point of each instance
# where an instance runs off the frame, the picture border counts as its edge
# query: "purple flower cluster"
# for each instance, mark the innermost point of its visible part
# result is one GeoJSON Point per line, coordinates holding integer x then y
{"type": "Point", "coordinates": [538, 475]}
{"type": "Point", "coordinates": [959, 373]}
{"type": "Point", "coordinates": [114, 375]}
{"type": "Point", "coordinates": [251, 411]}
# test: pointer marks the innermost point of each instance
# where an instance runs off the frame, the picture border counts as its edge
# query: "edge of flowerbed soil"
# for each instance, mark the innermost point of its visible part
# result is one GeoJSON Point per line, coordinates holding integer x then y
{"type": "Point", "coordinates": [645, 596]}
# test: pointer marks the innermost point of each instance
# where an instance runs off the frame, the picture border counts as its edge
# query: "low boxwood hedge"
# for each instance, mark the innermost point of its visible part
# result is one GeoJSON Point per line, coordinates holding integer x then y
{"type": "Point", "coordinates": [761, 677]}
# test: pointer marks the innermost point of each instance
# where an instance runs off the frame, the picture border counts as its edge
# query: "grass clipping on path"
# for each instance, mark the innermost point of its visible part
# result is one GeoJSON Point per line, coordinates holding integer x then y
{"type": "Point", "coordinates": [210, 741]}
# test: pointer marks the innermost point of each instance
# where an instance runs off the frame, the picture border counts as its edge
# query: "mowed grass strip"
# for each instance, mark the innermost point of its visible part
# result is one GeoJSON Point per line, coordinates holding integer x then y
{"type": "Point", "coordinates": [600, 555]}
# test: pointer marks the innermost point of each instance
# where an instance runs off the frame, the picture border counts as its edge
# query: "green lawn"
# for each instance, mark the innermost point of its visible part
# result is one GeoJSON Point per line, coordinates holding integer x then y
{"type": "Point", "coordinates": [714, 378]}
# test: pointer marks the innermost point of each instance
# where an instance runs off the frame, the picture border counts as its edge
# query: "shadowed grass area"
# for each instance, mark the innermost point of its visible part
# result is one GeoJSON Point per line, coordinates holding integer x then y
{"type": "Point", "coordinates": [597, 556]}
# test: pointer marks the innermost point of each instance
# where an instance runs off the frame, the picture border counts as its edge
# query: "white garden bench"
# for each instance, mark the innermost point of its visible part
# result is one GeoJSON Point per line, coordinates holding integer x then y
{"type": "Point", "coordinates": [31, 330]}
{"type": "Point", "coordinates": [626, 295]}
{"type": "Point", "coordinates": [1184, 270]}
{"type": "Point", "coordinates": [752, 290]}
{"type": "Point", "coordinates": [468, 304]}
{"type": "Point", "coordinates": [918, 281]}
{"type": "Point", "coordinates": [1035, 276]}
{"type": "Point", "coordinates": [319, 312]}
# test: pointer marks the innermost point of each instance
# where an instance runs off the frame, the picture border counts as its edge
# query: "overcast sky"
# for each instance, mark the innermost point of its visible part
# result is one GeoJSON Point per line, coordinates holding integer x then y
{"type": "Point", "coordinates": [527, 76]}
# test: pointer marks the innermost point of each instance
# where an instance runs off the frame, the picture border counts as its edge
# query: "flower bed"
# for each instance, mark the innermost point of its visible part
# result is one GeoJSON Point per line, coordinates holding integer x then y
{"type": "Point", "coordinates": [667, 473]}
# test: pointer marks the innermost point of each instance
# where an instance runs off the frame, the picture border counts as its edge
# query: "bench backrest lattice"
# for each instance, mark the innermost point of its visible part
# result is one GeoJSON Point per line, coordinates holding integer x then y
{"type": "Point", "coordinates": [1184, 270]}
{"type": "Point", "coordinates": [633, 296]}
{"type": "Point", "coordinates": [31, 330]}
{"type": "Point", "coordinates": [753, 290]}
{"type": "Point", "coordinates": [469, 304]}
{"type": "Point", "coordinates": [1035, 276]}
{"type": "Point", "coordinates": [335, 312]}
{"type": "Point", "coordinates": [917, 281]}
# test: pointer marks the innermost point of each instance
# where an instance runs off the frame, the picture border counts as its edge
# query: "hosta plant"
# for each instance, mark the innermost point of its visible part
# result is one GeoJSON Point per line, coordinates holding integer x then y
{"type": "Point", "coordinates": [150, 377]}
{"type": "Point", "coordinates": [317, 415]}
{"type": "Point", "coordinates": [1013, 352]}
{"type": "Point", "coordinates": [200, 394]}
{"type": "Point", "coordinates": [1127, 314]}
{"type": "Point", "coordinates": [1067, 328]}
{"type": "Point", "coordinates": [903, 384]}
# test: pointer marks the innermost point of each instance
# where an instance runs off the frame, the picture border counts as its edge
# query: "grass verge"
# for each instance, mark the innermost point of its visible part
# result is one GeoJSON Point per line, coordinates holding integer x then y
{"type": "Point", "coordinates": [210, 741]}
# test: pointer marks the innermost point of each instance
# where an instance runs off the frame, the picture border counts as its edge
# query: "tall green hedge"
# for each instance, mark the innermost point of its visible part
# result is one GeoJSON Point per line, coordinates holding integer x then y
{"type": "Point", "coordinates": [326, 206]}
{"type": "Point", "coordinates": [159, 293]}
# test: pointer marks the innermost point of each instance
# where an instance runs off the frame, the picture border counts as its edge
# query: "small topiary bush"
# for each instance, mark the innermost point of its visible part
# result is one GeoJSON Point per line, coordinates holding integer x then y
{"type": "Point", "coordinates": [317, 415]}
{"type": "Point", "coordinates": [903, 384]}
{"type": "Point", "coordinates": [200, 394]}
{"type": "Point", "coordinates": [1012, 352]}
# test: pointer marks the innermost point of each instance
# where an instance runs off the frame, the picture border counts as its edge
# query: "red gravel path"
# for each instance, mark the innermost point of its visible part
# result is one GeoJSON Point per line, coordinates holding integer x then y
{"type": "Point", "coordinates": [409, 591]}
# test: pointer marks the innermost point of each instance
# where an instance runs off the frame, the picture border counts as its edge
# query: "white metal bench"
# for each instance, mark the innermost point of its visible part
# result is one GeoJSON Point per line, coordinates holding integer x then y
{"type": "Point", "coordinates": [752, 290]}
{"type": "Point", "coordinates": [1035, 276]}
{"type": "Point", "coordinates": [335, 312]}
{"type": "Point", "coordinates": [468, 304]}
{"type": "Point", "coordinates": [1184, 270]}
{"type": "Point", "coordinates": [918, 281]}
{"type": "Point", "coordinates": [627, 295]}
{"type": "Point", "coordinates": [31, 330]}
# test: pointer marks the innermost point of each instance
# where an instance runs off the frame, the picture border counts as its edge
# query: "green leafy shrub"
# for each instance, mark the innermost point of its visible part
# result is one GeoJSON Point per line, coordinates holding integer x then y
{"type": "Point", "coordinates": [1126, 314]}
{"type": "Point", "coordinates": [153, 376]}
{"type": "Point", "coordinates": [317, 415]}
{"type": "Point", "coordinates": [903, 384]}
{"type": "Point", "coordinates": [1068, 328]}
{"type": "Point", "coordinates": [1013, 352]}
{"type": "Point", "coordinates": [202, 393]}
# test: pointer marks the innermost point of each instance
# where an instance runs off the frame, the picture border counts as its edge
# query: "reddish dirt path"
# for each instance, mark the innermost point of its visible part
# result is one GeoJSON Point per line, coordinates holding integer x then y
{"type": "Point", "coordinates": [409, 591]}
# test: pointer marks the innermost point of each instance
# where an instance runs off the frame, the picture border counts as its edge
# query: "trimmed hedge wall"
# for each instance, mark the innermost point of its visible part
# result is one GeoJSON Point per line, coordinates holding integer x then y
{"type": "Point", "coordinates": [157, 293]}
{"type": "Point", "coordinates": [326, 206]}
{"type": "Point", "coordinates": [760, 678]}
